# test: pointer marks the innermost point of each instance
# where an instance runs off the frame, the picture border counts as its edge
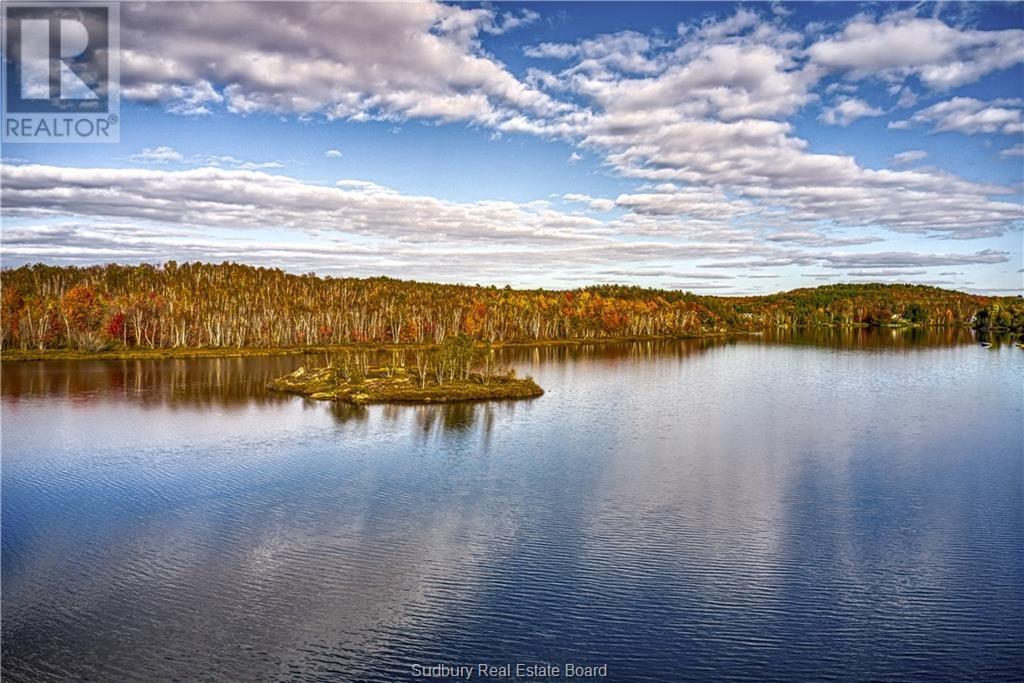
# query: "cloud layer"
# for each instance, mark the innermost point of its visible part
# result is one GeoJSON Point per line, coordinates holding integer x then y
{"type": "Point", "coordinates": [706, 110]}
{"type": "Point", "coordinates": [705, 123]}
{"type": "Point", "coordinates": [88, 214]}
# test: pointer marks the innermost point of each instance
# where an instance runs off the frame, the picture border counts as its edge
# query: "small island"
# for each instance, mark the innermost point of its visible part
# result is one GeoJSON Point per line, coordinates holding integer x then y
{"type": "Point", "coordinates": [457, 370]}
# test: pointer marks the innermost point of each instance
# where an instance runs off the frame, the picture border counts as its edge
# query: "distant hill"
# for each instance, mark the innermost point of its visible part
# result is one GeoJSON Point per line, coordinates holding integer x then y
{"type": "Point", "coordinates": [194, 305]}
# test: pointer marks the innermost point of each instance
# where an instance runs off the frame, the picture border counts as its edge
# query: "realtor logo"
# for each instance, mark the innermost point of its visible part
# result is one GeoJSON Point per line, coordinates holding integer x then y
{"type": "Point", "coordinates": [60, 72]}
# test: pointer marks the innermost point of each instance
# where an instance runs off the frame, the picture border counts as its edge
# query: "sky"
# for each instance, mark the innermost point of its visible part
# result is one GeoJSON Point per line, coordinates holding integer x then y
{"type": "Point", "coordinates": [720, 148]}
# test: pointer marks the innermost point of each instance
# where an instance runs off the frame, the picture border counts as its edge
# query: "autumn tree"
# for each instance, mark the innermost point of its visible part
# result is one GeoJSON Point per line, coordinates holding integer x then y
{"type": "Point", "coordinates": [82, 313]}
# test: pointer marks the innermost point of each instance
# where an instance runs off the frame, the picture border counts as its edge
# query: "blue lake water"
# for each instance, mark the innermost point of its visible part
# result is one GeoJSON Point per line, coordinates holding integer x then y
{"type": "Point", "coordinates": [847, 507]}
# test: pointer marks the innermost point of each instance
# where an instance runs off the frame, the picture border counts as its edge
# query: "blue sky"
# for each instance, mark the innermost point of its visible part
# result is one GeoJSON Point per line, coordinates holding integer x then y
{"type": "Point", "coordinates": [720, 148]}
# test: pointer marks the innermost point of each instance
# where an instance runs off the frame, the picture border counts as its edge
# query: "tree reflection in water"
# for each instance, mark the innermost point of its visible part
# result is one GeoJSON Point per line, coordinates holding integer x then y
{"type": "Point", "coordinates": [234, 383]}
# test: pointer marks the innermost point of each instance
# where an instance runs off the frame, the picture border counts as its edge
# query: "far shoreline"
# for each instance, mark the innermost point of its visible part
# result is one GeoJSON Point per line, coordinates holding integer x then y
{"type": "Point", "coordinates": [19, 355]}
{"type": "Point", "coordinates": [185, 353]}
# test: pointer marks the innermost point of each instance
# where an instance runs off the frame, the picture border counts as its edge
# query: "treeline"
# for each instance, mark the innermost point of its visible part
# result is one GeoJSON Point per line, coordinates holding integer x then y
{"type": "Point", "coordinates": [194, 305]}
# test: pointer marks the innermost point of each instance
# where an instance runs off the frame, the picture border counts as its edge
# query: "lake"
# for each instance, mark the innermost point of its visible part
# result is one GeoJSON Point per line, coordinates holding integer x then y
{"type": "Point", "coordinates": [793, 507]}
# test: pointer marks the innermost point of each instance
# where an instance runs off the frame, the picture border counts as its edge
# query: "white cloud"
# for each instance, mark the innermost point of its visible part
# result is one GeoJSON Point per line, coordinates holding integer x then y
{"type": "Point", "coordinates": [621, 273]}
{"type": "Point", "coordinates": [907, 97]}
{"type": "Point", "coordinates": [717, 29]}
{"type": "Point", "coordinates": [908, 157]}
{"type": "Point", "coordinates": [192, 99]}
{"type": "Point", "coordinates": [164, 154]}
{"type": "Point", "coordinates": [229, 161]}
{"type": "Point", "coordinates": [693, 202]}
{"type": "Point", "coordinates": [552, 50]}
{"type": "Point", "coordinates": [158, 155]}
{"type": "Point", "coordinates": [727, 82]}
{"type": "Point", "coordinates": [892, 259]}
{"type": "Point", "coordinates": [511, 20]}
{"type": "Point", "coordinates": [627, 51]}
{"type": "Point", "coordinates": [816, 239]}
{"type": "Point", "coordinates": [761, 161]}
{"type": "Point", "coordinates": [1014, 151]}
{"type": "Point", "coordinates": [969, 116]}
{"type": "Point", "coordinates": [333, 154]}
{"type": "Point", "coordinates": [883, 272]}
{"type": "Point", "coordinates": [252, 199]}
{"type": "Point", "coordinates": [902, 44]}
{"type": "Point", "coordinates": [710, 116]}
{"type": "Point", "coordinates": [574, 158]}
{"type": "Point", "coordinates": [361, 60]}
{"type": "Point", "coordinates": [847, 111]}
{"type": "Point", "coordinates": [595, 203]}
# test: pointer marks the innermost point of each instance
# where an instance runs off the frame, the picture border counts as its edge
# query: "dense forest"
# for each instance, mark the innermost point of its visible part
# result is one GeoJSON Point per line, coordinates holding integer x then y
{"type": "Point", "coordinates": [197, 305]}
